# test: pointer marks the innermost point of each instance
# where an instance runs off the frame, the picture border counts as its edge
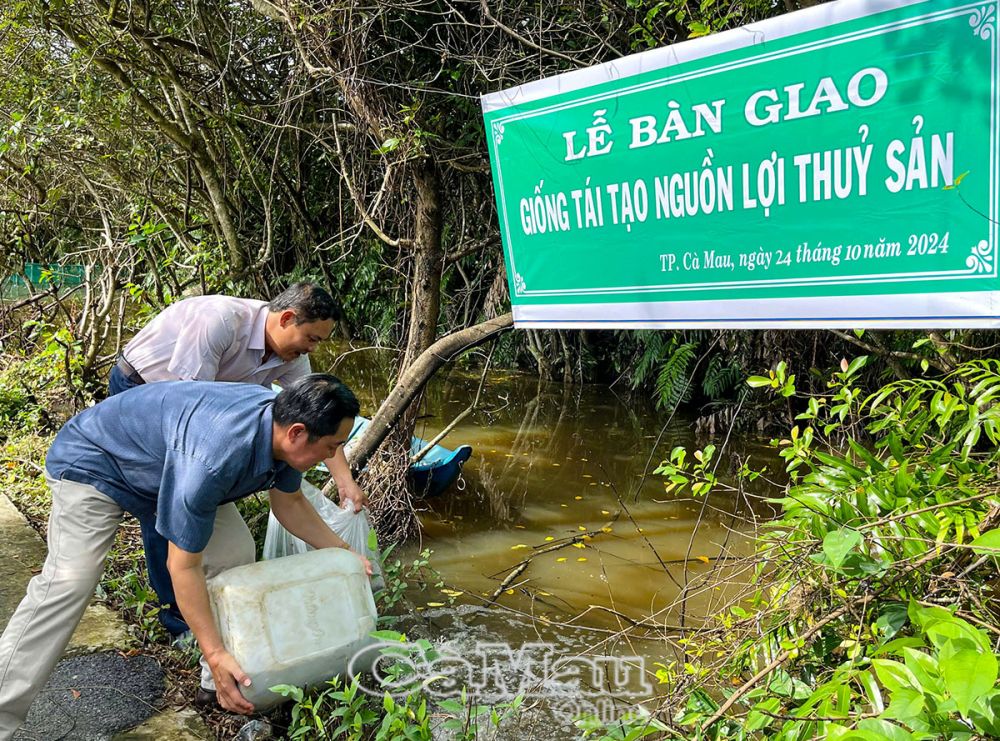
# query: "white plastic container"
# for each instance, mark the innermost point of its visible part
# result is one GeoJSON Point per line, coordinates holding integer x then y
{"type": "Point", "coordinates": [296, 620]}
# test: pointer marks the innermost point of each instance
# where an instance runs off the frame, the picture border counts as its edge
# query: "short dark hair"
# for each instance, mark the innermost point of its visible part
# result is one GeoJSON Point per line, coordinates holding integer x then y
{"type": "Point", "coordinates": [310, 302]}
{"type": "Point", "coordinates": [319, 401]}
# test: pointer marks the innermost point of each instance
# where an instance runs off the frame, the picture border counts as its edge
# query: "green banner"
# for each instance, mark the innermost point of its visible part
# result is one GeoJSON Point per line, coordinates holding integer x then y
{"type": "Point", "coordinates": [837, 166]}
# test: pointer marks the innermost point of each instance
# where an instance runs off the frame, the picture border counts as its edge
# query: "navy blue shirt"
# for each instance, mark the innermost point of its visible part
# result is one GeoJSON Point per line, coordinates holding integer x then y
{"type": "Point", "coordinates": [173, 452]}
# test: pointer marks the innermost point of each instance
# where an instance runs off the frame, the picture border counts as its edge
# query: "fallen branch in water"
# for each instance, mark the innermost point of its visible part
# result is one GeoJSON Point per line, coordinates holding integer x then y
{"type": "Point", "coordinates": [518, 570]}
{"type": "Point", "coordinates": [549, 548]}
{"type": "Point", "coordinates": [646, 624]}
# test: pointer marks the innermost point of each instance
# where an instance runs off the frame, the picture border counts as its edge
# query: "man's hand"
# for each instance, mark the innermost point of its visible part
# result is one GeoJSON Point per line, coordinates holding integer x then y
{"type": "Point", "coordinates": [364, 562]}
{"type": "Point", "coordinates": [350, 490]}
{"type": "Point", "coordinates": [188, 576]}
{"type": "Point", "coordinates": [229, 677]}
{"type": "Point", "coordinates": [344, 479]}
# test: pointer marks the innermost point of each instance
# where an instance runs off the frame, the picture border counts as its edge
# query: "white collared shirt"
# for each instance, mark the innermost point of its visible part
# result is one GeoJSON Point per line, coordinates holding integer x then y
{"type": "Point", "coordinates": [210, 338]}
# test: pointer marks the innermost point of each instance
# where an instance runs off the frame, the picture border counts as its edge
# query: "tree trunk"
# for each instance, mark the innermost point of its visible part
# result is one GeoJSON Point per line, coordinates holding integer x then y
{"type": "Point", "coordinates": [428, 261]}
{"type": "Point", "coordinates": [416, 376]}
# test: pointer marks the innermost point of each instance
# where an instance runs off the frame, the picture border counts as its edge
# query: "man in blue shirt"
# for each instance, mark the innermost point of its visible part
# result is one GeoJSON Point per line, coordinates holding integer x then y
{"type": "Point", "coordinates": [223, 338]}
{"type": "Point", "coordinates": [176, 455]}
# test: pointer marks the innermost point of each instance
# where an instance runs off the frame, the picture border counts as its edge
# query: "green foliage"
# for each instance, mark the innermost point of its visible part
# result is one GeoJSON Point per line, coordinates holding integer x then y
{"type": "Point", "coordinates": [18, 411]}
{"type": "Point", "coordinates": [778, 379]}
{"type": "Point", "coordinates": [466, 720]}
{"type": "Point", "coordinates": [338, 711]}
{"type": "Point", "coordinates": [400, 576]}
{"type": "Point", "coordinates": [889, 494]}
{"type": "Point", "coordinates": [22, 460]}
{"type": "Point", "coordinates": [696, 19]}
{"type": "Point", "coordinates": [937, 681]}
{"type": "Point", "coordinates": [125, 584]}
{"type": "Point", "coordinates": [722, 375]}
{"type": "Point", "coordinates": [697, 476]}
{"type": "Point", "coordinates": [667, 360]}
{"type": "Point", "coordinates": [673, 383]}
{"type": "Point", "coordinates": [629, 727]}
{"type": "Point", "coordinates": [335, 711]}
{"type": "Point", "coordinates": [255, 511]}
{"type": "Point", "coordinates": [653, 347]}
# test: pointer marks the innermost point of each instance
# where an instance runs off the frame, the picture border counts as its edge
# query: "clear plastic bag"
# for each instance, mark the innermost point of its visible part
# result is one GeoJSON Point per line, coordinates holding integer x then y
{"type": "Point", "coordinates": [352, 526]}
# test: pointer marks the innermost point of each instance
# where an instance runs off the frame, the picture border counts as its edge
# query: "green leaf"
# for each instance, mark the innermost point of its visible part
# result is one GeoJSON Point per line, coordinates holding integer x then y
{"type": "Point", "coordinates": [388, 145]}
{"type": "Point", "coordinates": [874, 463]}
{"type": "Point", "coordinates": [967, 675]}
{"type": "Point", "coordinates": [892, 617]}
{"type": "Point", "coordinates": [894, 676]}
{"type": "Point", "coordinates": [884, 730]}
{"type": "Point", "coordinates": [838, 543]}
{"type": "Point", "coordinates": [856, 365]}
{"type": "Point", "coordinates": [927, 671]}
{"type": "Point", "coordinates": [698, 29]}
{"type": "Point", "coordinates": [756, 720]}
{"type": "Point", "coordinates": [987, 544]}
{"type": "Point", "coordinates": [906, 705]}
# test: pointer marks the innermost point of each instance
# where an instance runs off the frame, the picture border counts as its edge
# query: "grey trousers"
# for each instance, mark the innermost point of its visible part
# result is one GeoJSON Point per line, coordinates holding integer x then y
{"type": "Point", "coordinates": [82, 528]}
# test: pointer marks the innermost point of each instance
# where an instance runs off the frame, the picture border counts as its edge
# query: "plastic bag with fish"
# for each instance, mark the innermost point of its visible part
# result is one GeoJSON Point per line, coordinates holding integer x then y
{"type": "Point", "coordinates": [353, 527]}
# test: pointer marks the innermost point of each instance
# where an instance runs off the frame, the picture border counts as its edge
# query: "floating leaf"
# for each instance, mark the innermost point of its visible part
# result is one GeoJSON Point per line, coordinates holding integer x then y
{"type": "Point", "coordinates": [548, 538]}
{"type": "Point", "coordinates": [435, 604]}
{"type": "Point", "coordinates": [519, 546]}
{"type": "Point", "coordinates": [703, 559]}
{"type": "Point", "coordinates": [578, 498]}
{"type": "Point", "coordinates": [579, 545]}
{"type": "Point", "coordinates": [560, 560]}
{"type": "Point", "coordinates": [581, 527]}
{"type": "Point", "coordinates": [582, 558]}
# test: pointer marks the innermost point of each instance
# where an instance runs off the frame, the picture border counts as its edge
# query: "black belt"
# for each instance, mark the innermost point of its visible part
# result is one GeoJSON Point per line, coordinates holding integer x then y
{"type": "Point", "coordinates": [128, 371]}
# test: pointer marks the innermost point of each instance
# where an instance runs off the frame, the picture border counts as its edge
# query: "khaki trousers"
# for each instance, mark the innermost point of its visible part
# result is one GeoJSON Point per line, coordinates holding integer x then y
{"type": "Point", "coordinates": [82, 528]}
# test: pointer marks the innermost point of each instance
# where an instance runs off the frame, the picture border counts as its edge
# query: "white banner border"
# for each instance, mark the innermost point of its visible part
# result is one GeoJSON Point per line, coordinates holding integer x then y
{"type": "Point", "coordinates": [979, 309]}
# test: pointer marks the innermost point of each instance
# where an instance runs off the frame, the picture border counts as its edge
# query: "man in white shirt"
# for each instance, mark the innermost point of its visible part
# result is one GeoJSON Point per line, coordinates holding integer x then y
{"type": "Point", "coordinates": [223, 338]}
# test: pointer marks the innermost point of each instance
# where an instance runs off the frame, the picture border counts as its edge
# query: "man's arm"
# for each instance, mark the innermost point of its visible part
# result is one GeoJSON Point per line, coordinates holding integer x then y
{"type": "Point", "coordinates": [301, 519]}
{"type": "Point", "coordinates": [344, 479]}
{"type": "Point", "coordinates": [188, 577]}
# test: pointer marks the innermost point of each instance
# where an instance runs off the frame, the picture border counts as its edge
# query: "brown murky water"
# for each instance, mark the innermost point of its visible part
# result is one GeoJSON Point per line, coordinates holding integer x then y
{"type": "Point", "coordinates": [551, 463]}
